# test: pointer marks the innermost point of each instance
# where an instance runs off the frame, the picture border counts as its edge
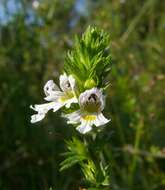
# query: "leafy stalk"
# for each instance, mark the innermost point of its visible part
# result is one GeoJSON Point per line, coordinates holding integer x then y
{"type": "Point", "coordinates": [77, 153]}
{"type": "Point", "coordinates": [89, 61]}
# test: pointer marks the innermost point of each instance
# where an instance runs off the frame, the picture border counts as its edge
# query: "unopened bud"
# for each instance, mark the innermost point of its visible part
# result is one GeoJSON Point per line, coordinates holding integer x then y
{"type": "Point", "coordinates": [89, 83]}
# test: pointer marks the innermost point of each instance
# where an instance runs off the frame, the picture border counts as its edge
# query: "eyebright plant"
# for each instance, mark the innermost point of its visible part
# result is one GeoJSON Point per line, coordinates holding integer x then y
{"type": "Point", "coordinates": [82, 83]}
{"type": "Point", "coordinates": [80, 96]}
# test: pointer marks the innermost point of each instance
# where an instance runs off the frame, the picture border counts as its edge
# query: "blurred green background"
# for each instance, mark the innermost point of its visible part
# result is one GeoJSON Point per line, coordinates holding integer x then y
{"type": "Point", "coordinates": [34, 39]}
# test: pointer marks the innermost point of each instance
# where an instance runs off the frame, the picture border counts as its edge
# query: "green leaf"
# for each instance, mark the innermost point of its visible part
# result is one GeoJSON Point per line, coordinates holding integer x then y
{"type": "Point", "coordinates": [89, 61]}
{"type": "Point", "coordinates": [77, 152]}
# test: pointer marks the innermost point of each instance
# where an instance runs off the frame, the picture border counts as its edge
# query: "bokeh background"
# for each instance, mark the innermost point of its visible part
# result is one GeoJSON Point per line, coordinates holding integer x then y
{"type": "Point", "coordinates": [34, 39]}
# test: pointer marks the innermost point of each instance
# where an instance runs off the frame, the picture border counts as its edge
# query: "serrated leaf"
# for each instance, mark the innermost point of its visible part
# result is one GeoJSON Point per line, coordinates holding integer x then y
{"type": "Point", "coordinates": [89, 59]}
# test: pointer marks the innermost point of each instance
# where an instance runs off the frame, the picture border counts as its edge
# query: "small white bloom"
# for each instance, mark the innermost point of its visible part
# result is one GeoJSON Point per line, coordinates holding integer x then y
{"type": "Point", "coordinates": [91, 105]}
{"type": "Point", "coordinates": [57, 98]}
{"type": "Point", "coordinates": [35, 4]}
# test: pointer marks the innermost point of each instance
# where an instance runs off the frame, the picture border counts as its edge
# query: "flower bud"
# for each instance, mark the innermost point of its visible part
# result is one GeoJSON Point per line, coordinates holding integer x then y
{"type": "Point", "coordinates": [89, 83]}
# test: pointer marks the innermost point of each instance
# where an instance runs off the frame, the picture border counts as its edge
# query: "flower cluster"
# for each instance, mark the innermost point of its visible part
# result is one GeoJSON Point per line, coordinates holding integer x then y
{"type": "Point", "coordinates": [85, 70]}
{"type": "Point", "coordinates": [91, 104]}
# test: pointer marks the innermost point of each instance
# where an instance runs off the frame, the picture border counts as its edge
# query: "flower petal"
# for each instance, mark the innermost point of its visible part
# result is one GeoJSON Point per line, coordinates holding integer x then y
{"type": "Point", "coordinates": [37, 117]}
{"type": "Point", "coordinates": [92, 100]}
{"type": "Point", "coordinates": [72, 82]}
{"type": "Point", "coordinates": [64, 83]}
{"type": "Point", "coordinates": [42, 109]}
{"type": "Point", "coordinates": [54, 96]}
{"type": "Point", "coordinates": [50, 87]}
{"type": "Point", "coordinates": [70, 101]}
{"type": "Point", "coordinates": [101, 120]}
{"type": "Point", "coordinates": [57, 106]}
{"type": "Point", "coordinates": [73, 117]}
{"type": "Point", "coordinates": [84, 127]}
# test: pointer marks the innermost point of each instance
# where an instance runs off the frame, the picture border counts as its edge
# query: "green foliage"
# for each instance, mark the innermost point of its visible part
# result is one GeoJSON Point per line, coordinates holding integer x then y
{"type": "Point", "coordinates": [76, 153]}
{"type": "Point", "coordinates": [95, 174]}
{"type": "Point", "coordinates": [89, 61]}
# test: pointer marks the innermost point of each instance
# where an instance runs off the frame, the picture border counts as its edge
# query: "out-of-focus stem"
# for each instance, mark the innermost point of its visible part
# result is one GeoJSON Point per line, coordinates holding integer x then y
{"type": "Point", "coordinates": [147, 5]}
{"type": "Point", "coordinates": [136, 147]}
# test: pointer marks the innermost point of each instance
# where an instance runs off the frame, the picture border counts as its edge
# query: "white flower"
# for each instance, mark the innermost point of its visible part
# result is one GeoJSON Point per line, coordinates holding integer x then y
{"type": "Point", "coordinates": [57, 98]}
{"type": "Point", "coordinates": [91, 105]}
{"type": "Point", "coordinates": [35, 4]}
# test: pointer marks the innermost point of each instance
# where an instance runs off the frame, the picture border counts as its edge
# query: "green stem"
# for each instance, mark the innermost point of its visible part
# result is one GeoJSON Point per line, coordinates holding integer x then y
{"type": "Point", "coordinates": [119, 126]}
{"type": "Point", "coordinates": [148, 4]}
{"type": "Point", "coordinates": [135, 156]}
